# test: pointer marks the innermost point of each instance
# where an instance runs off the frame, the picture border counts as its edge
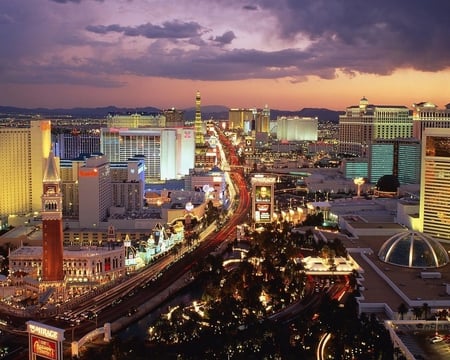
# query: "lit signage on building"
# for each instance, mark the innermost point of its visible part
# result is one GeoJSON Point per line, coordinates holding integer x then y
{"type": "Point", "coordinates": [88, 172]}
{"type": "Point", "coordinates": [42, 331]}
{"type": "Point", "coordinates": [42, 347]}
{"type": "Point", "coordinates": [45, 341]}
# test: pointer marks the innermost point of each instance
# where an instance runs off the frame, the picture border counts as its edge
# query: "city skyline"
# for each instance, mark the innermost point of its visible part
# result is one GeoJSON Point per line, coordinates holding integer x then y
{"type": "Point", "coordinates": [289, 55]}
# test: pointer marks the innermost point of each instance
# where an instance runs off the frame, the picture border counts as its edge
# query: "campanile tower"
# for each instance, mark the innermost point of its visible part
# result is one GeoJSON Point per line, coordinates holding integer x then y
{"type": "Point", "coordinates": [52, 230]}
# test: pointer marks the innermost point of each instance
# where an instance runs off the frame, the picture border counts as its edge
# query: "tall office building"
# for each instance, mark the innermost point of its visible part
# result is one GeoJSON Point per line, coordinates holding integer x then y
{"type": "Point", "coordinates": [297, 128]}
{"type": "Point", "coordinates": [198, 123]}
{"type": "Point", "coordinates": [95, 191]}
{"type": "Point", "coordinates": [52, 231]}
{"type": "Point", "coordinates": [435, 183]}
{"type": "Point", "coordinates": [22, 165]}
{"type": "Point", "coordinates": [398, 157]}
{"type": "Point", "coordinates": [427, 115]}
{"type": "Point", "coordinates": [361, 124]}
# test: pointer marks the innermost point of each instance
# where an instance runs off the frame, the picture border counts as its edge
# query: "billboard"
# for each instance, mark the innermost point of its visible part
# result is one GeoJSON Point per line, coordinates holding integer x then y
{"type": "Point", "coordinates": [263, 194]}
{"type": "Point", "coordinates": [43, 347]}
{"type": "Point", "coordinates": [263, 203]}
{"type": "Point", "coordinates": [45, 342]}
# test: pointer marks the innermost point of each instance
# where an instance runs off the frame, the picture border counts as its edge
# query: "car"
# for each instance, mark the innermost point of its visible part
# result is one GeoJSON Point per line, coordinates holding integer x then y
{"type": "Point", "coordinates": [436, 339]}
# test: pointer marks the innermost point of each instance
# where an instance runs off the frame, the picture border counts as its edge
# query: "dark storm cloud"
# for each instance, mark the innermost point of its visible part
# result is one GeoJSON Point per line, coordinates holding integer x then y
{"type": "Point", "coordinates": [351, 36]}
{"type": "Point", "coordinates": [170, 29]}
{"type": "Point", "coordinates": [230, 65]}
{"type": "Point", "coordinates": [377, 37]}
{"type": "Point", "coordinates": [225, 38]}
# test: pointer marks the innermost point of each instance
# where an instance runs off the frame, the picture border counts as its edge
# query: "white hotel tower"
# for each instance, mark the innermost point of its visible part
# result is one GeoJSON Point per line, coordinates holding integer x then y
{"type": "Point", "coordinates": [435, 183]}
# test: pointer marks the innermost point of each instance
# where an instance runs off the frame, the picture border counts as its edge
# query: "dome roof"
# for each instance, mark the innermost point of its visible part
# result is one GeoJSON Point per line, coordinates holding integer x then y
{"type": "Point", "coordinates": [413, 249]}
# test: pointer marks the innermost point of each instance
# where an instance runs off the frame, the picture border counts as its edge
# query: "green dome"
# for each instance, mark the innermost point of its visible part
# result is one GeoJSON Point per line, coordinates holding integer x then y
{"type": "Point", "coordinates": [413, 249]}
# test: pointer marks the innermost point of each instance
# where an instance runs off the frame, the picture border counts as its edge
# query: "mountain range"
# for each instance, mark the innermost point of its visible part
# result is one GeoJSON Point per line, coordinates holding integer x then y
{"type": "Point", "coordinates": [216, 112]}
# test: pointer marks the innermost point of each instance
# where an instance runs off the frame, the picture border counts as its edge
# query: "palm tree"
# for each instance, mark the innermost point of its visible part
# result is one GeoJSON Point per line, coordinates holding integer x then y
{"type": "Point", "coordinates": [402, 310]}
{"type": "Point", "coordinates": [417, 311]}
{"type": "Point", "coordinates": [426, 309]}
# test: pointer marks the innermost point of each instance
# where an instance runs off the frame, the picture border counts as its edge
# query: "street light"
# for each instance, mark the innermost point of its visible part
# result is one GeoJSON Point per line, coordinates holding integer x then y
{"type": "Point", "coordinates": [437, 319]}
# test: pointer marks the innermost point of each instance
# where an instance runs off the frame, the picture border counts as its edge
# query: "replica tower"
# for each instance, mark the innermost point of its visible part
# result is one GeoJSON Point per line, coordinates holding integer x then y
{"type": "Point", "coordinates": [52, 230]}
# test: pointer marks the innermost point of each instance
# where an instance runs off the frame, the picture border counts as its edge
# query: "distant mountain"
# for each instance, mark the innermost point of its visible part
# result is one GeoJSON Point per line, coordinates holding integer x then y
{"type": "Point", "coordinates": [216, 112]}
{"type": "Point", "coordinates": [98, 112]}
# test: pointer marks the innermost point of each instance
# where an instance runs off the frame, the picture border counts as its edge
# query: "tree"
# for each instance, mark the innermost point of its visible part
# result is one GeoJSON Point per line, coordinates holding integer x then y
{"type": "Point", "coordinates": [417, 311]}
{"type": "Point", "coordinates": [402, 310]}
{"type": "Point", "coordinates": [388, 183]}
{"type": "Point", "coordinates": [426, 309]}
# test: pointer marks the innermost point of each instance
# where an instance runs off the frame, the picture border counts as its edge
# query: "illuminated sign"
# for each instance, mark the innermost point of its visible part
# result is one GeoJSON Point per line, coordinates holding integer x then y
{"type": "Point", "coordinates": [262, 213]}
{"type": "Point", "coordinates": [42, 331]}
{"type": "Point", "coordinates": [44, 348]}
{"type": "Point", "coordinates": [262, 194]}
{"type": "Point", "coordinates": [44, 342]}
{"type": "Point", "coordinates": [88, 172]}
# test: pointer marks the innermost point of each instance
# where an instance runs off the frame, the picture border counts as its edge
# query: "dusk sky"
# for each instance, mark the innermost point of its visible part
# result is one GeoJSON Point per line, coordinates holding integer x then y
{"type": "Point", "coordinates": [289, 54]}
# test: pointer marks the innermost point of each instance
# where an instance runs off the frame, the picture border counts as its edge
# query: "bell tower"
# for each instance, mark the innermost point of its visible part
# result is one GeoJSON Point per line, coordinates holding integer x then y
{"type": "Point", "coordinates": [52, 229]}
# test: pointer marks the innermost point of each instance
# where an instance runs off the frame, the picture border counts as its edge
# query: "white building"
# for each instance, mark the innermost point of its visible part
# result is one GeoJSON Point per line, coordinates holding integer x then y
{"type": "Point", "coordinates": [435, 183]}
{"type": "Point", "coordinates": [297, 128]}
{"type": "Point", "coordinates": [95, 191]}
{"type": "Point", "coordinates": [427, 115]}
{"type": "Point", "coordinates": [169, 152]}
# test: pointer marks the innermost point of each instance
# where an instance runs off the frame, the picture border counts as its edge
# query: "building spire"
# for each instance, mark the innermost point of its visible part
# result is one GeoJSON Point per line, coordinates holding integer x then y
{"type": "Point", "coordinates": [51, 170]}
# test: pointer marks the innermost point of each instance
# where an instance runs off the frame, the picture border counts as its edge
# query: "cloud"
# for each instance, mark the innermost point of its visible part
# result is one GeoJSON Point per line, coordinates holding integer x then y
{"type": "Point", "coordinates": [224, 39]}
{"type": "Point", "coordinates": [71, 1]}
{"type": "Point", "coordinates": [95, 44]}
{"type": "Point", "coordinates": [376, 38]}
{"type": "Point", "coordinates": [170, 29]}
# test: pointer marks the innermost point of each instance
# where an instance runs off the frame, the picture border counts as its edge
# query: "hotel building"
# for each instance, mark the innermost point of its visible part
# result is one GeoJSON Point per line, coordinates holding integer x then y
{"type": "Point", "coordinates": [435, 183]}
{"type": "Point", "coordinates": [398, 157]}
{"type": "Point", "coordinates": [169, 153]}
{"type": "Point", "coordinates": [362, 124]}
{"type": "Point", "coordinates": [297, 128]}
{"type": "Point", "coordinates": [22, 164]}
{"type": "Point", "coordinates": [71, 144]}
{"type": "Point", "coordinates": [427, 115]}
{"type": "Point", "coordinates": [95, 191]}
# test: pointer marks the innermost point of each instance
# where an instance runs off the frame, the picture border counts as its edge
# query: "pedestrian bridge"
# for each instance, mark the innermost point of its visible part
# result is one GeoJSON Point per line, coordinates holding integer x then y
{"type": "Point", "coordinates": [89, 337]}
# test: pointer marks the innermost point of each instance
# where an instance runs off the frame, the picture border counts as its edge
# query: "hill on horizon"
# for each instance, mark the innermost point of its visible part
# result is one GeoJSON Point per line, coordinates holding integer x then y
{"type": "Point", "coordinates": [216, 112]}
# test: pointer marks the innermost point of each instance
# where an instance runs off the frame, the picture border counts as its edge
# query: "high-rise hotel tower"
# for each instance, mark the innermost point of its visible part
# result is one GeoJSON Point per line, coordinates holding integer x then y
{"type": "Point", "coordinates": [52, 230]}
{"type": "Point", "coordinates": [361, 124]}
{"type": "Point", "coordinates": [435, 183]}
{"type": "Point", "coordinates": [198, 124]}
{"type": "Point", "coordinates": [24, 150]}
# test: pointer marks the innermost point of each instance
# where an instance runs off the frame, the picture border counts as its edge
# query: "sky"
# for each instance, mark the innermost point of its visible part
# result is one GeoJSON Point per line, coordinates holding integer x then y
{"type": "Point", "coordinates": [288, 54]}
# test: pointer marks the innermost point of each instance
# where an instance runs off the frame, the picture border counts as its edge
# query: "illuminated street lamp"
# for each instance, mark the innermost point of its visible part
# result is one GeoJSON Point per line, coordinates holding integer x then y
{"type": "Point", "coordinates": [358, 182]}
{"type": "Point", "coordinates": [437, 319]}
